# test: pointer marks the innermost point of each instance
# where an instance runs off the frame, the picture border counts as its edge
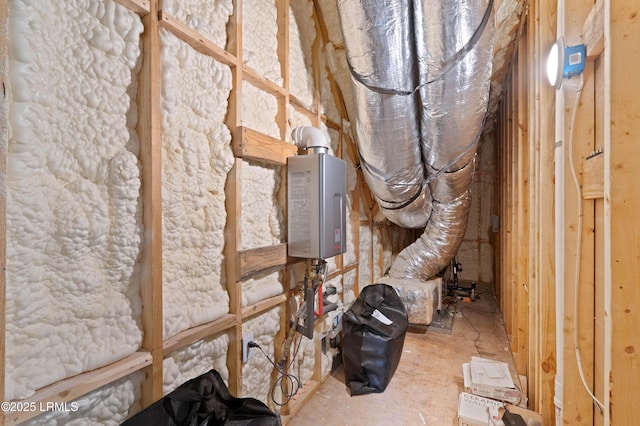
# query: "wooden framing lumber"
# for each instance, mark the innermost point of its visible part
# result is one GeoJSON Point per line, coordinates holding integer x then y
{"type": "Point", "coordinates": [141, 7]}
{"type": "Point", "coordinates": [194, 334]}
{"type": "Point", "coordinates": [622, 203]}
{"type": "Point", "coordinates": [233, 202]}
{"type": "Point", "coordinates": [263, 306]}
{"type": "Point", "coordinates": [69, 389]}
{"type": "Point", "coordinates": [253, 145]}
{"type": "Point", "coordinates": [150, 133]}
{"type": "Point", "coordinates": [522, 235]}
{"type": "Point", "coordinates": [194, 39]}
{"type": "Point", "coordinates": [239, 264]}
{"type": "Point", "coordinates": [578, 137]}
{"type": "Point", "coordinates": [593, 31]}
{"type": "Point", "coordinates": [253, 261]}
{"type": "Point", "coordinates": [593, 177]}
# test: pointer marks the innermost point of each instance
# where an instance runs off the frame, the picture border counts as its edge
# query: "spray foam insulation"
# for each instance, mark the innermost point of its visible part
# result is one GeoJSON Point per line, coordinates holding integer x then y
{"type": "Point", "coordinates": [327, 103]}
{"type": "Point", "coordinates": [256, 372]}
{"type": "Point", "coordinates": [259, 38]}
{"type": "Point", "coordinates": [109, 405]}
{"type": "Point", "coordinates": [196, 159]}
{"type": "Point", "coordinates": [336, 58]}
{"type": "Point", "coordinates": [194, 360]}
{"type": "Point", "coordinates": [349, 284]}
{"type": "Point", "coordinates": [365, 267]}
{"type": "Point", "coordinates": [261, 287]}
{"type": "Point", "coordinates": [209, 18]}
{"type": "Point", "coordinates": [73, 185]}
{"type": "Point", "coordinates": [73, 191]}
{"type": "Point", "coordinates": [301, 37]}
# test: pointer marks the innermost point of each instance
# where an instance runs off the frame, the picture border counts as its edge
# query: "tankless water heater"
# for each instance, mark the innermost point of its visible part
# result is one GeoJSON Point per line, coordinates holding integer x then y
{"type": "Point", "coordinates": [316, 187]}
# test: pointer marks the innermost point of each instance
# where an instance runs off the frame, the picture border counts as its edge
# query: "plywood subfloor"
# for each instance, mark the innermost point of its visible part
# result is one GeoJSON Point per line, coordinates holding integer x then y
{"type": "Point", "coordinates": [425, 387]}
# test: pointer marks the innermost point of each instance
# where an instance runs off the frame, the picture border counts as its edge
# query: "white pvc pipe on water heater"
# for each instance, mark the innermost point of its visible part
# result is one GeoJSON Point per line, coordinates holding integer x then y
{"type": "Point", "coordinates": [311, 139]}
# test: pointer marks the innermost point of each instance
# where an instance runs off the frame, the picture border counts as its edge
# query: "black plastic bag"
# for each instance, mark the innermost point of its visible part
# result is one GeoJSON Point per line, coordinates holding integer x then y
{"type": "Point", "coordinates": [205, 400]}
{"type": "Point", "coordinates": [373, 332]}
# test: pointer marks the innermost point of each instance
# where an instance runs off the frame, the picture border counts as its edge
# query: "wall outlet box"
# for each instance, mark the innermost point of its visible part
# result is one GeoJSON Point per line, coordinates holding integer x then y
{"type": "Point", "coordinates": [247, 352]}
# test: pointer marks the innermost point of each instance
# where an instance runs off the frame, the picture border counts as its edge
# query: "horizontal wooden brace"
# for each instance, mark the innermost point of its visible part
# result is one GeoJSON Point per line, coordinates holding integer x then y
{"type": "Point", "coordinates": [195, 39]}
{"type": "Point", "coordinates": [252, 145]}
{"type": "Point", "coordinates": [74, 387]}
{"type": "Point", "coordinates": [250, 75]}
{"type": "Point", "coordinates": [263, 305]}
{"type": "Point", "coordinates": [141, 7]}
{"type": "Point", "coordinates": [194, 334]}
{"type": "Point", "coordinates": [253, 261]}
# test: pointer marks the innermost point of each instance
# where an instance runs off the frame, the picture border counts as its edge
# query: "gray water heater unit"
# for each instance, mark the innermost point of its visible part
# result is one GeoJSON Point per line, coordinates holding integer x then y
{"type": "Point", "coordinates": [316, 186]}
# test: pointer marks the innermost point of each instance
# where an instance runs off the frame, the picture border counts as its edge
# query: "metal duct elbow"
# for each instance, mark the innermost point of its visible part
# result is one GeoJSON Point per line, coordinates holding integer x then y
{"type": "Point", "coordinates": [421, 73]}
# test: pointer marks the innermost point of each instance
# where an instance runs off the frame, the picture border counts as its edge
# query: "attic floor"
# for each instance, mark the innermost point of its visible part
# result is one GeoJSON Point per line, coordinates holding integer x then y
{"type": "Point", "coordinates": [425, 387]}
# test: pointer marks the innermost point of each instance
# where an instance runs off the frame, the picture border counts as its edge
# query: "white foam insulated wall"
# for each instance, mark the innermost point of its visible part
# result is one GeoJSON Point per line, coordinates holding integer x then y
{"type": "Point", "coordinates": [196, 159]}
{"type": "Point", "coordinates": [194, 360]}
{"type": "Point", "coordinates": [73, 232]}
{"type": "Point", "coordinates": [256, 372]}
{"type": "Point", "coordinates": [301, 38]}
{"type": "Point", "coordinates": [109, 405]}
{"type": "Point", "coordinates": [74, 210]}
{"type": "Point", "coordinates": [365, 264]}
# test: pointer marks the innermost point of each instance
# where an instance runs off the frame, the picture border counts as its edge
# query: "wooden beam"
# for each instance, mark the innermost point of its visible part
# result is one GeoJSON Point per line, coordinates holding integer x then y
{"type": "Point", "coordinates": [593, 177]}
{"type": "Point", "coordinates": [150, 133]}
{"type": "Point", "coordinates": [253, 145]}
{"type": "Point", "coordinates": [141, 7]}
{"type": "Point", "coordinates": [233, 205]}
{"type": "Point", "coordinates": [523, 211]}
{"type": "Point", "coordinates": [593, 31]}
{"type": "Point", "coordinates": [263, 306]}
{"type": "Point", "coordinates": [253, 261]}
{"type": "Point", "coordinates": [252, 76]}
{"type": "Point", "coordinates": [578, 142]}
{"type": "Point", "coordinates": [194, 334]}
{"type": "Point", "coordinates": [72, 388]}
{"type": "Point", "coordinates": [233, 202]}
{"type": "Point", "coordinates": [622, 204]}
{"type": "Point", "coordinates": [534, 198]}
{"type": "Point", "coordinates": [601, 381]}
{"type": "Point", "coordinates": [302, 107]}
{"type": "Point", "coordinates": [195, 39]}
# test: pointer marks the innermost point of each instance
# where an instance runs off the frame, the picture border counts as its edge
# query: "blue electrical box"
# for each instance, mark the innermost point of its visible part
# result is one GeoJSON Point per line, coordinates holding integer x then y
{"type": "Point", "coordinates": [574, 59]}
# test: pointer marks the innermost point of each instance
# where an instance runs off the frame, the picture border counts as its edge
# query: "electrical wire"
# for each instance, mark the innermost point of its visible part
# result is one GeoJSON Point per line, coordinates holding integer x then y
{"type": "Point", "coordinates": [578, 248]}
{"type": "Point", "coordinates": [493, 311]}
{"type": "Point", "coordinates": [475, 342]}
{"type": "Point", "coordinates": [293, 380]}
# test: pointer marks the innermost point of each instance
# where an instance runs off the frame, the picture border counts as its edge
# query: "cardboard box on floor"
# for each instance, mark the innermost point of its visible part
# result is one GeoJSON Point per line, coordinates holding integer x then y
{"type": "Point", "coordinates": [474, 410]}
{"type": "Point", "coordinates": [491, 379]}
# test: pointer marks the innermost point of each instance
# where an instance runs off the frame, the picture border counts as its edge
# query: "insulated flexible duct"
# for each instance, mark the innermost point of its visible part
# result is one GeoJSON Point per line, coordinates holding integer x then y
{"type": "Point", "coordinates": [421, 73]}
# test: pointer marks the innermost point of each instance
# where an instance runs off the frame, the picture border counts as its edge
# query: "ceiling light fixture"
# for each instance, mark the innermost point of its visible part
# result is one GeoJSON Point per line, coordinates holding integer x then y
{"type": "Point", "coordinates": [565, 62]}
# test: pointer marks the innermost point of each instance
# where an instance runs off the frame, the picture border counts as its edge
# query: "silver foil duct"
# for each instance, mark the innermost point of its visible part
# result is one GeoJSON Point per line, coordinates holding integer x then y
{"type": "Point", "coordinates": [421, 73]}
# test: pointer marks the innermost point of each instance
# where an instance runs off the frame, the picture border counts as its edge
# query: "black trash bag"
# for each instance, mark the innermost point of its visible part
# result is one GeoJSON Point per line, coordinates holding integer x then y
{"type": "Point", "coordinates": [373, 332]}
{"type": "Point", "coordinates": [205, 400]}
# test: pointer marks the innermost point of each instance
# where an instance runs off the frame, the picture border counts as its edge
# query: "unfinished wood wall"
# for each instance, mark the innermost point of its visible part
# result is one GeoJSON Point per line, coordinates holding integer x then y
{"type": "Point", "coordinates": [240, 265]}
{"type": "Point", "coordinates": [583, 241]}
